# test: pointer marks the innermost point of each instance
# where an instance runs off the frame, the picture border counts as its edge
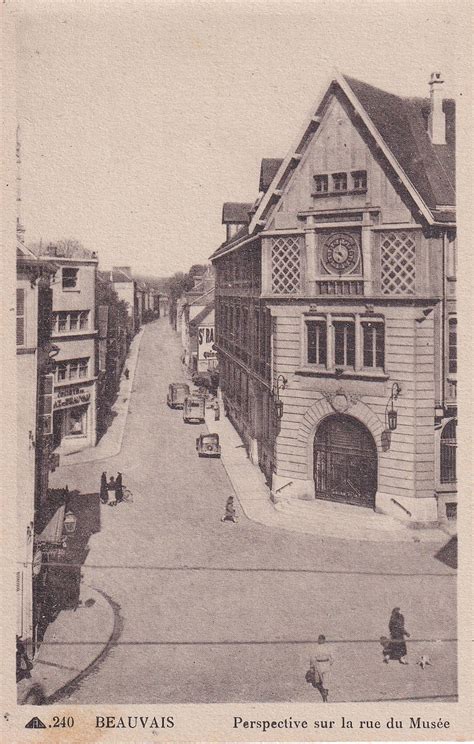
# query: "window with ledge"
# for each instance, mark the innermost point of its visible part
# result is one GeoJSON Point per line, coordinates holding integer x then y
{"type": "Point", "coordinates": [453, 346]}
{"type": "Point", "coordinates": [72, 369]}
{"type": "Point", "coordinates": [359, 180]}
{"type": "Point", "coordinates": [373, 344]}
{"type": "Point", "coordinates": [321, 183]}
{"type": "Point", "coordinates": [355, 344]}
{"type": "Point", "coordinates": [339, 181]}
{"type": "Point", "coordinates": [63, 322]}
{"type": "Point", "coordinates": [344, 343]}
{"type": "Point", "coordinates": [316, 342]}
{"type": "Point", "coordinates": [69, 277]}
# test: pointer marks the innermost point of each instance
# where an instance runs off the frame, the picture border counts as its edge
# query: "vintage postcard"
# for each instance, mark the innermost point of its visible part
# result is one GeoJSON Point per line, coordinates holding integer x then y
{"type": "Point", "coordinates": [236, 487]}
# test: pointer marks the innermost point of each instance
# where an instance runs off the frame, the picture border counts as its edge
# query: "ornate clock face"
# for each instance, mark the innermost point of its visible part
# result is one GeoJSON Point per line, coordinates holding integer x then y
{"type": "Point", "coordinates": [341, 253]}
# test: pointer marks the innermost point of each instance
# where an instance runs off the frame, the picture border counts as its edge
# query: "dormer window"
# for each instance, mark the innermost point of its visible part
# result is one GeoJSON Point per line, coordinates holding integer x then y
{"type": "Point", "coordinates": [339, 181]}
{"type": "Point", "coordinates": [359, 180]}
{"type": "Point", "coordinates": [321, 183]}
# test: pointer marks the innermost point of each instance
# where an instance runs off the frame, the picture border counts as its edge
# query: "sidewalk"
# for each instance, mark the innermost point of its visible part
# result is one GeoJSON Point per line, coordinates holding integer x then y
{"type": "Point", "coordinates": [71, 644]}
{"type": "Point", "coordinates": [111, 442]}
{"type": "Point", "coordinates": [319, 518]}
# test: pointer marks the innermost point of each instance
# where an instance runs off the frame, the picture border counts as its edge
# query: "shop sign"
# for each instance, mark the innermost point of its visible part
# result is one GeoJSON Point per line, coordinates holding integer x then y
{"type": "Point", "coordinates": [72, 395]}
{"type": "Point", "coordinates": [206, 343]}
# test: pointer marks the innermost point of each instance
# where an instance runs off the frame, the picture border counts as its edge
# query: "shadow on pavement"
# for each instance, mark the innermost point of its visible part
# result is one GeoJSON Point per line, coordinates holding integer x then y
{"type": "Point", "coordinates": [449, 553]}
{"type": "Point", "coordinates": [61, 590]}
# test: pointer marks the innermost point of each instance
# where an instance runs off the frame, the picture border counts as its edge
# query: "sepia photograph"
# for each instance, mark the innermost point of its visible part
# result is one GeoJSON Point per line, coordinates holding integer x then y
{"type": "Point", "coordinates": [234, 277]}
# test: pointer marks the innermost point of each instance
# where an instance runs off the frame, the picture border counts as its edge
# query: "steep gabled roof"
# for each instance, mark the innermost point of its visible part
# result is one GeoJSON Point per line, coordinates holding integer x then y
{"type": "Point", "coordinates": [399, 127]}
{"type": "Point", "coordinates": [403, 125]}
{"type": "Point", "coordinates": [236, 213]}
{"type": "Point", "coordinates": [268, 170]}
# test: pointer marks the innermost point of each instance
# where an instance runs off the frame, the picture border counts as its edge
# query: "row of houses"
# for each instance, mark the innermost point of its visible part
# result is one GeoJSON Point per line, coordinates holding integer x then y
{"type": "Point", "coordinates": [74, 326]}
{"type": "Point", "coordinates": [335, 306]}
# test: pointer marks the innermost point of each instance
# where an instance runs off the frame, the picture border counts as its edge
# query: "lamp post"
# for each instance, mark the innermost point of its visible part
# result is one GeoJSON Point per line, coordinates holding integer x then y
{"type": "Point", "coordinates": [391, 415]}
{"type": "Point", "coordinates": [280, 383]}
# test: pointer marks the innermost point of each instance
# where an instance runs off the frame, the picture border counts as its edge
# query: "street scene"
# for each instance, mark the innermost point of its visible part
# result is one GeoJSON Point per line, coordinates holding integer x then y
{"type": "Point", "coordinates": [240, 606]}
{"type": "Point", "coordinates": [236, 375]}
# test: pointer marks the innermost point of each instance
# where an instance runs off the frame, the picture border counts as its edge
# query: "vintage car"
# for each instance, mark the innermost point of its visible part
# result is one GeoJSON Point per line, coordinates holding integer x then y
{"type": "Point", "coordinates": [194, 408]}
{"type": "Point", "coordinates": [177, 393]}
{"type": "Point", "coordinates": [207, 445]}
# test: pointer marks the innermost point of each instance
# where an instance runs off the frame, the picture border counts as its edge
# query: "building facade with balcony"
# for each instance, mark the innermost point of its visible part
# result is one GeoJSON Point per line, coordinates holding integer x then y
{"type": "Point", "coordinates": [336, 310]}
{"type": "Point", "coordinates": [74, 333]}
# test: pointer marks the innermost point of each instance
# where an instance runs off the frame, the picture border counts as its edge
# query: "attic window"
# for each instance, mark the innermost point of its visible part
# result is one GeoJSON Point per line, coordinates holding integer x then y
{"type": "Point", "coordinates": [339, 181]}
{"type": "Point", "coordinates": [321, 183]}
{"type": "Point", "coordinates": [359, 180]}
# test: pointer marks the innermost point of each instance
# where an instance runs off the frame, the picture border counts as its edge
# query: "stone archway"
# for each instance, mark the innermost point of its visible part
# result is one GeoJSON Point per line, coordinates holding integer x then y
{"type": "Point", "coordinates": [329, 405]}
{"type": "Point", "coordinates": [344, 461]}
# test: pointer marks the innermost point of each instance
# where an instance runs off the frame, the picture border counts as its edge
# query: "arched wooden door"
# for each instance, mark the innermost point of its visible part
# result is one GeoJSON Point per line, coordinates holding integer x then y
{"type": "Point", "coordinates": [345, 462]}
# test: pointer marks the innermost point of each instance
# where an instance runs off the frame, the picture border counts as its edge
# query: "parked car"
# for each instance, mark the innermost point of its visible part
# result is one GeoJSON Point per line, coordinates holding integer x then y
{"type": "Point", "coordinates": [177, 393]}
{"type": "Point", "coordinates": [207, 445]}
{"type": "Point", "coordinates": [194, 409]}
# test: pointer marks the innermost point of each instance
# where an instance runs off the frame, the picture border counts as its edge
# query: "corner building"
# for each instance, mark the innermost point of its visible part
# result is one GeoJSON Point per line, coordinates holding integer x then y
{"type": "Point", "coordinates": [336, 311]}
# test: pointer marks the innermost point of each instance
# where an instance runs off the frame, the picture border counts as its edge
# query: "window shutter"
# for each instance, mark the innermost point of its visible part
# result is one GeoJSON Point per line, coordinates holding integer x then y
{"type": "Point", "coordinates": [20, 317]}
{"type": "Point", "coordinates": [46, 403]}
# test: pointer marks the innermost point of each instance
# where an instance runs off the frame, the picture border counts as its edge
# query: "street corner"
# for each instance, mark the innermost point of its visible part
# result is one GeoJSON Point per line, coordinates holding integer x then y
{"type": "Point", "coordinates": [71, 646]}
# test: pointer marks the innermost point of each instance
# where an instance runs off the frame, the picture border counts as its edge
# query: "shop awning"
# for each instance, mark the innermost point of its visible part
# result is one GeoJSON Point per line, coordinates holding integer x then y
{"type": "Point", "coordinates": [53, 530]}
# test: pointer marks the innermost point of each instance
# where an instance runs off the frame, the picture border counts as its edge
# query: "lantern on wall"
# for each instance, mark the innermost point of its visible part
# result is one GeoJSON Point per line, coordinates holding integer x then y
{"type": "Point", "coordinates": [278, 403]}
{"type": "Point", "coordinates": [391, 414]}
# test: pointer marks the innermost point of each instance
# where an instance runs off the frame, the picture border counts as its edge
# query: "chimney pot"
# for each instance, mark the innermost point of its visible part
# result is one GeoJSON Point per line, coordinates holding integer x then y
{"type": "Point", "coordinates": [437, 118]}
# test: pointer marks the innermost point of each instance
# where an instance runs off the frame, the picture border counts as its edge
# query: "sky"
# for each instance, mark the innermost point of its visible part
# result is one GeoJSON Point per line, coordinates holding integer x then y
{"type": "Point", "coordinates": [140, 119]}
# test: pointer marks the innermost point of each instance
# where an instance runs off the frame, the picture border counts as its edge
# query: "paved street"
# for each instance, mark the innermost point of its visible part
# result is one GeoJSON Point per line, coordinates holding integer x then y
{"type": "Point", "coordinates": [214, 612]}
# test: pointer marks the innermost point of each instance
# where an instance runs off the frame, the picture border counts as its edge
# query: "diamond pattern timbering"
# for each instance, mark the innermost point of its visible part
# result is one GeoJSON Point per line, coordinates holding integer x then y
{"type": "Point", "coordinates": [286, 265]}
{"type": "Point", "coordinates": [397, 259]}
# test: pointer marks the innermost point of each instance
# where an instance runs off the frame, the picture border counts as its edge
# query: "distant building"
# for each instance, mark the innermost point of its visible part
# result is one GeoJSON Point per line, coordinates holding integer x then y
{"type": "Point", "coordinates": [336, 309]}
{"type": "Point", "coordinates": [197, 324]}
{"type": "Point", "coordinates": [74, 332]}
{"type": "Point", "coordinates": [125, 287]}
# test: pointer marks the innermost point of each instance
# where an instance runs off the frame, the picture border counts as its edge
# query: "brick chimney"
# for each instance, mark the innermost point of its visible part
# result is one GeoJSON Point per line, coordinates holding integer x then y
{"type": "Point", "coordinates": [437, 118]}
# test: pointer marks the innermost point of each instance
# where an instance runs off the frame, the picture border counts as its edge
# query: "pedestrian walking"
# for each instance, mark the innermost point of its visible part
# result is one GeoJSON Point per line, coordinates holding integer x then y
{"type": "Point", "coordinates": [103, 488]}
{"type": "Point", "coordinates": [230, 515]}
{"type": "Point", "coordinates": [398, 633]}
{"type": "Point", "coordinates": [126, 373]}
{"type": "Point", "coordinates": [320, 665]}
{"type": "Point", "coordinates": [111, 494]}
{"type": "Point", "coordinates": [217, 410]}
{"type": "Point", "coordinates": [118, 487]}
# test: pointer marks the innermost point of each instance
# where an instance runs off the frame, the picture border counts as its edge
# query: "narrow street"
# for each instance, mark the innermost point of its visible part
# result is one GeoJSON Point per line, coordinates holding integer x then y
{"type": "Point", "coordinates": [214, 612]}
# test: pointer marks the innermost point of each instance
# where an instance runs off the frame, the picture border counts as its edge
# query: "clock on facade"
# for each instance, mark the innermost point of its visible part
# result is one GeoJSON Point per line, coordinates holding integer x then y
{"type": "Point", "coordinates": [341, 253]}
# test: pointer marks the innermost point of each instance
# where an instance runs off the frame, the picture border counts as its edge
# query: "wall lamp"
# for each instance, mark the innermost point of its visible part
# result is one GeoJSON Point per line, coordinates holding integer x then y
{"type": "Point", "coordinates": [280, 383]}
{"type": "Point", "coordinates": [391, 414]}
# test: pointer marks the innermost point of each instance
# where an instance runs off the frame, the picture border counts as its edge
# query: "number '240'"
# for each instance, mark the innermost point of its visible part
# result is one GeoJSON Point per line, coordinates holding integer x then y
{"type": "Point", "coordinates": [64, 722]}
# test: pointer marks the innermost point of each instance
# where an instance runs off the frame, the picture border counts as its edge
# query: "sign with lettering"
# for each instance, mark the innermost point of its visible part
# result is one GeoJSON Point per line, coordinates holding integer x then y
{"type": "Point", "coordinates": [69, 396]}
{"type": "Point", "coordinates": [206, 338]}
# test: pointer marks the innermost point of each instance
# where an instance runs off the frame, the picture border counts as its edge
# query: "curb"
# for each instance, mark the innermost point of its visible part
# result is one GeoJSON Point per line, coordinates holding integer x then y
{"type": "Point", "coordinates": [37, 686]}
{"type": "Point", "coordinates": [68, 687]}
{"type": "Point", "coordinates": [113, 453]}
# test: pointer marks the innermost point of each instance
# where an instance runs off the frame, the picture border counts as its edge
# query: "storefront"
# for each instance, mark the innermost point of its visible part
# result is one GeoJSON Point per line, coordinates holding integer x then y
{"type": "Point", "coordinates": [74, 416]}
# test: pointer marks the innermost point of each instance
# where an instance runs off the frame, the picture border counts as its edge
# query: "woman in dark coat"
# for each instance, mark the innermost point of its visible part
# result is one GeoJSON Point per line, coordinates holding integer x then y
{"type": "Point", "coordinates": [396, 626]}
{"type": "Point", "coordinates": [103, 488]}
